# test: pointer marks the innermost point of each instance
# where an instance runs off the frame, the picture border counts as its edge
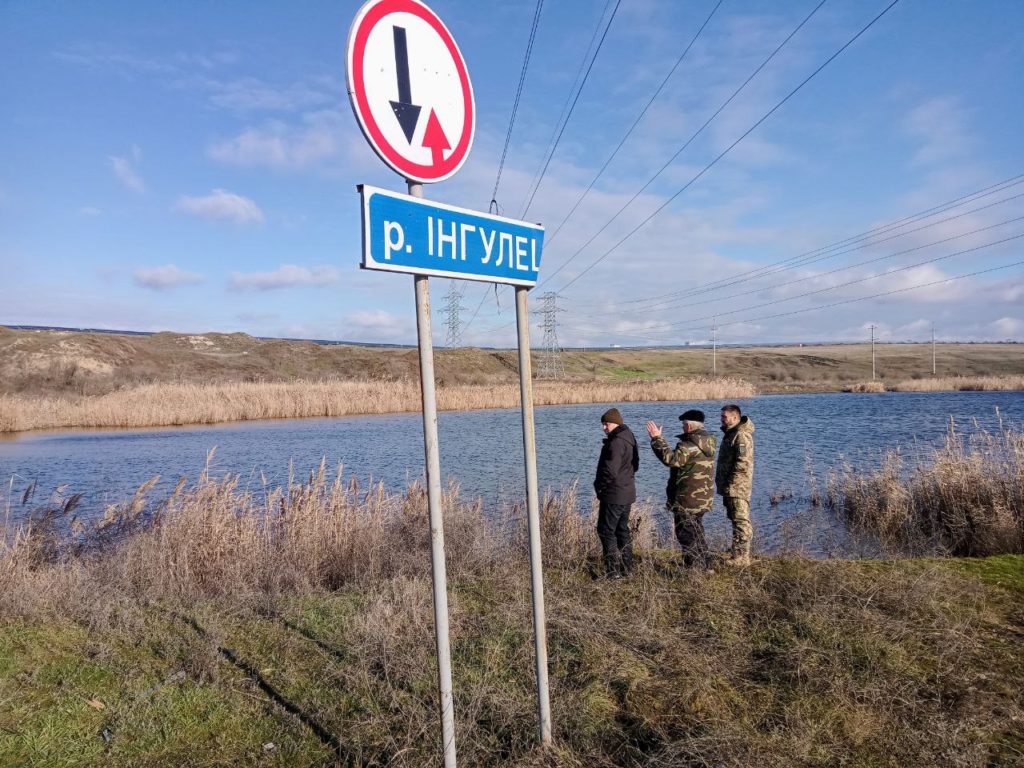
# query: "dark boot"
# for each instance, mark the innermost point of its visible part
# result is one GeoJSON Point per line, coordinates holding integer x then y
{"type": "Point", "coordinates": [626, 565]}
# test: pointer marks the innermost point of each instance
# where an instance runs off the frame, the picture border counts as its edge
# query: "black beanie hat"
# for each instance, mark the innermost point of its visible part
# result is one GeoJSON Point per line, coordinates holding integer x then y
{"type": "Point", "coordinates": [611, 416]}
{"type": "Point", "coordinates": [693, 415]}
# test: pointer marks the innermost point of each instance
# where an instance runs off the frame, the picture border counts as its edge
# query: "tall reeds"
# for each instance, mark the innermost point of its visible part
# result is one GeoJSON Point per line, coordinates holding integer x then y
{"type": "Point", "coordinates": [219, 540]}
{"type": "Point", "coordinates": [156, 405]}
{"type": "Point", "coordinates": [964, 498]}
{"type": "Point", "coordinates": [313, 601]}
{"type": "Point", "coordinates": [962, 384]}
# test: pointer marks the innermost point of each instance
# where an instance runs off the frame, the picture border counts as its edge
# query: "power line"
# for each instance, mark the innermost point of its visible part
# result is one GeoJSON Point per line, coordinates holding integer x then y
{"type": "Point", "coordinates": [478, 306]}
{"type": "Point", "coordinates": [803, 259]}
{"type": "Point", "coordinates": [821, 253]}
{"type": "Point", "coordinates": [785, 284]}
{"type": "Point", "coordinates": [879, 295]}
{"type": "Point", "coordinates": [669, 326]}
{"type": "Point", "coordinates": [689, 141]}
{"type": "Point", "coordinates": [515, 103]}
{"type": "Point", "coordinates": [636, 122]}
{"type": "Point", "coordinates": [728, 149]}
{"type": "Point", "coordinates": [575, 83]}
{"type": "Point", "coordinates": [836, 303]}
{"type": "Point", "coordinates": [551, 154]}
{"type": "Point", "coordinates": [826, 306]}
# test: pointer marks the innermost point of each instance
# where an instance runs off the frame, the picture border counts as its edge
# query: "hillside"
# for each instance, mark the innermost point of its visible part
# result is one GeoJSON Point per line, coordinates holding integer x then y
{"type": "Point", "coordinates": [65, 362]}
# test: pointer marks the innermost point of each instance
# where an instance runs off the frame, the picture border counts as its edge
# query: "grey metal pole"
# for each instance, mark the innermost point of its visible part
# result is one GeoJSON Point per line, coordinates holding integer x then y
{"type": "Point", "coordinates": [933, 349]}
{"type": "Point", "coordinates": [714, 347]}
{"type": "Point", "coordinates": [533, 514]}
{"type": "Point", "coordinates": [433, 466]}
{"type": "Point", "coordinates": [872, 353]}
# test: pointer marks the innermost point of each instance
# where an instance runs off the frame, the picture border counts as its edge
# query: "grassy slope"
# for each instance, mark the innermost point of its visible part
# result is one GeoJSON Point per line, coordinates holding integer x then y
{"type": "Point", "coordinates": [912, 663]}
{"type": "Point", "coordinates": [38, 362]}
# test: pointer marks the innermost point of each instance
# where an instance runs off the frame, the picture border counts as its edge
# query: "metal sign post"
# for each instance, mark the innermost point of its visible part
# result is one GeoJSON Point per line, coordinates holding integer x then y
{"type": "Point", "coordinates": [411, 95]}
{"type": "Point", "coordinates": [533, 513]}
{"type": "Point", "coordinates": [431, 449]}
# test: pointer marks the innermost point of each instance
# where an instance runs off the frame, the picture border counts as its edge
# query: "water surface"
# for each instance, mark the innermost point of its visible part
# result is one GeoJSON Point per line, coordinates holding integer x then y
{"type": "Point", "coordinates": [482, 450]}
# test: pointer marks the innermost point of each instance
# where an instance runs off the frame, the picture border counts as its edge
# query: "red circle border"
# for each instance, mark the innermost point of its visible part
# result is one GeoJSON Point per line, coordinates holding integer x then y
{"type": "Point", "coordinates": [357, 49]}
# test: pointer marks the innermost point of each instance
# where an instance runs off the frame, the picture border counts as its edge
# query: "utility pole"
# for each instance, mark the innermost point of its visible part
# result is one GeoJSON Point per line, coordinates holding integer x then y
{"type": "Point", "coordinates": [933, 349]}
{"type": "Point", "coordinates": [551, 358]}
{"type": "Point", "coordinates": [872, 352]}
{"type": "Point", "coordinates": [453, 334]}
{"type": "Point", "coordinates": [714, 346]}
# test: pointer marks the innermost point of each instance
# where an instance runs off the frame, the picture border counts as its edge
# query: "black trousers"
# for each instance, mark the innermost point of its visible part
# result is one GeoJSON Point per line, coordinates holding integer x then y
{"type": "Point", "coordinates": [690, 533]}
{"type": "Point", "coordinates": [613, 531]}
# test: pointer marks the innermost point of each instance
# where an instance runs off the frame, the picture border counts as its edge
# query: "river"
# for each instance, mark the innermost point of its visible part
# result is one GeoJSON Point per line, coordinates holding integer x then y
{"type": "Point", "coordinates": [796, 436]}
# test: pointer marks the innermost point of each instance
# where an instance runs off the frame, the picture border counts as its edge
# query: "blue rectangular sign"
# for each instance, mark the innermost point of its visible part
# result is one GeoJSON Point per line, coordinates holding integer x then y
{"type": "Point", "coordinates": [406, 234]}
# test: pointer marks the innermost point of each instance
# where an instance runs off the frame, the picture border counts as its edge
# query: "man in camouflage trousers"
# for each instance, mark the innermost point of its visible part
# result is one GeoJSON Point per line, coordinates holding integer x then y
{"type": "Point", "coordinates": [734, 479]}
{"type": "Point", "coordinates": [689, 491]}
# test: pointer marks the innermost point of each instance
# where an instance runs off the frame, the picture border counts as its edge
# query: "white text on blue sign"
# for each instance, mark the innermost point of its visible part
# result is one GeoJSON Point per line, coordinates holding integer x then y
{"type": "Point", "coordinates": [407, 234]}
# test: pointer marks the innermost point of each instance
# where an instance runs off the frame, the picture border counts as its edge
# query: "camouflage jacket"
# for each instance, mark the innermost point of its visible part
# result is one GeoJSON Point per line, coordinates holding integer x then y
{"type": "Point", "coordinates": [690, 465]}
{"type": "Point", "coordinates": [735, 473]}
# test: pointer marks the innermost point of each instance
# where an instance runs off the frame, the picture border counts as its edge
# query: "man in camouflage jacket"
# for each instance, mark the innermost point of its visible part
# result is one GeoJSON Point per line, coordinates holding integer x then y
{"type": "Point", "coordinates": [734, 479]}
{"type": "Point", "coordinates": [690, 489]}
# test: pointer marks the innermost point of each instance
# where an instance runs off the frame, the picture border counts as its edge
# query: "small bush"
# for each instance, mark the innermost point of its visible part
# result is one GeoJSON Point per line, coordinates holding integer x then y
{"type": "Point", "coordinates": [866, 386]}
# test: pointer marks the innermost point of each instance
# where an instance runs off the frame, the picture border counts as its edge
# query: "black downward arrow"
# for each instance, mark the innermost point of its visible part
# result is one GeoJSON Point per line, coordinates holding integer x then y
{"type": "Point", "coordinates": [408, 114]}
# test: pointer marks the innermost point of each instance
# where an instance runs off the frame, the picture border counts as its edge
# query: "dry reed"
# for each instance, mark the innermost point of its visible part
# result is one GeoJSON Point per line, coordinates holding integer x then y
{"type": "Point", "coordinates": [866, 386]}
{"type": "Point", "coordinates": [791, 663]}
{"type": "Point", "coordinates": [156, 405]}
{"type": "Point", "coordinates": [965, 498]}
{"type": "Point", "coordinates": [962, 384]}
{"type": "Point", "coordinates": [217, 540]}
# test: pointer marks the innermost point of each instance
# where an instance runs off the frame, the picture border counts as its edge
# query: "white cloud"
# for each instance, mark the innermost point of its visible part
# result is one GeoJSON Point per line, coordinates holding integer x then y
{"type": "Point", "coordinates": [221, 204]}
{"type": "Point", "coordinates": [125, 170]}
{"type": "Point", "coordinates": [164, 278]}
{"type": "Point", "coordinates": [283, 147]}
{"type": "Point", "coordinates": [286, 276]}
{"type": "Point", "coordinates": [940, 125]}
{"type": "Point", "coordinates": [90, 211]}
{"type": "Point", "coordinates": [252, 94]}
{"type": "Point", "coordinates": [376, 325]}
{"type": "Point", "coordinates": [1008, 328]}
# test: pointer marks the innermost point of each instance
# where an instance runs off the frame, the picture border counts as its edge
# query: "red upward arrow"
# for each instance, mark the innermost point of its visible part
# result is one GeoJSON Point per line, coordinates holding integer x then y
{"type": "Point", "coordinates": [435, 140]}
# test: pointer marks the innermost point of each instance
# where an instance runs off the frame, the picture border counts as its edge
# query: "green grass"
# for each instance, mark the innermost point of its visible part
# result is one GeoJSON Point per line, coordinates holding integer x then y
{"type": "Point", "coordinates": [1006, 571]}
{"type": "Point", "coordinates": [621, 373]}
{"type": "Point", "coordinates": [861, 663]}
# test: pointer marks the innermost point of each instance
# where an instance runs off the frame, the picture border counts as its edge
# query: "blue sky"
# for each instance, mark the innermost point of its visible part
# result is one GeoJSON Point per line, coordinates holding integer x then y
{"type": "Point", "coordinates": [192, 167]}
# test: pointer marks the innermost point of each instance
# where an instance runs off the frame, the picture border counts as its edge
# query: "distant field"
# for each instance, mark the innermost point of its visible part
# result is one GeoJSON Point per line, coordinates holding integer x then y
{"type": "Point", "coordinates": [89, 364]}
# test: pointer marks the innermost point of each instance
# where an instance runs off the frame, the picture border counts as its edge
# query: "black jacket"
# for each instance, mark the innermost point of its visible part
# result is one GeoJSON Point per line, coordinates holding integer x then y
{"type": "Point", "coordinates": [619, 461]}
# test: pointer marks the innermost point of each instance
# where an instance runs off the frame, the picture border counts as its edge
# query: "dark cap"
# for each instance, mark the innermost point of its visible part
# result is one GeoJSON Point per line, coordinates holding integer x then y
{"type": "Point", "coordinates": [611, 416]}
{"type": "Point", "coordinates": [693, 415]}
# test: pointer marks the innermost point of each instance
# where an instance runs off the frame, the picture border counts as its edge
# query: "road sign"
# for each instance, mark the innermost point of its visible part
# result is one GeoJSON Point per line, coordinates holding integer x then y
{"type": "Point", "coordinates": [408, 234]}
{"type": "Point", "coordinates": [410, 89]}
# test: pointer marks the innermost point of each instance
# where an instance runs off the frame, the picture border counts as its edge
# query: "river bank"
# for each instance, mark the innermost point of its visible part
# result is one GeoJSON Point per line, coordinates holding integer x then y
{"type": "Point", "coordinates": [160, 405]}
{"type": "Point", "coordinates": [63, 379]}
{"type": "Point", "coordinates": [294, 628]}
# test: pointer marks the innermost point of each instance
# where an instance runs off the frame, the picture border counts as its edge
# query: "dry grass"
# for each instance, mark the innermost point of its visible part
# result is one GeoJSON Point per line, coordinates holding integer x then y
{"type": "Point", "coordinates": [965, 498]}
{"type": "Point", "coordinates": [866, 386]}
{"type": "Point", "coordinates": [962, 384]}
{"type": "Point", "coordinates": [155, 405]}
{"type": "Point", "coordinates": [216, 540]}
{"type": "Point", "coordinates": [313, 602]}
{"type": "Point", "coordinates": [59, 363]}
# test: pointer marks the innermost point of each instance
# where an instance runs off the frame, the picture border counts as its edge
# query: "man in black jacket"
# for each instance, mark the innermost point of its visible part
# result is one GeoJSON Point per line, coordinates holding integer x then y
{"type": "Point", "coordinates": [616, 491]}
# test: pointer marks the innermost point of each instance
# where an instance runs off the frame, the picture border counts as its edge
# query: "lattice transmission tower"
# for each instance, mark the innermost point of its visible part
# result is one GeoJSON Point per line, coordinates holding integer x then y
{"type": "Point", "coordinates": [550, 362]}
{"type": "Point", "coordinates": [453, 325]}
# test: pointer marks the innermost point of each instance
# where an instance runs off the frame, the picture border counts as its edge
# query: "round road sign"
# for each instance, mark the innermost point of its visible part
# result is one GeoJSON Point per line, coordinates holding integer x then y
{"type": "Point", "coordinates": [410, 89]}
